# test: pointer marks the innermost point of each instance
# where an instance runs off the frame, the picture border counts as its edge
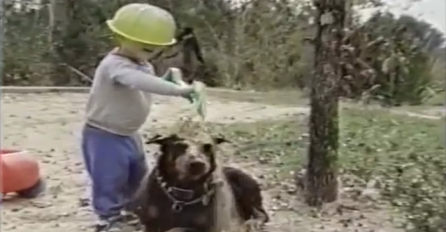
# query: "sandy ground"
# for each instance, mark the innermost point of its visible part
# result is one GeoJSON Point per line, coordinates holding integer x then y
{"type": "Point", "coordinates": [48, 125]}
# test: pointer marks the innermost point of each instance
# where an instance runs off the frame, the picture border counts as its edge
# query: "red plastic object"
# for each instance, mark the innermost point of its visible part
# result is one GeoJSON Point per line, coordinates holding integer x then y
{"type": "Point", "coordinates": [18, 171]}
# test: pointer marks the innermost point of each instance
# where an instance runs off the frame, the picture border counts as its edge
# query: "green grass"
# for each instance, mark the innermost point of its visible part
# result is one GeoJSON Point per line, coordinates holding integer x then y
{"type": "Point", "coordinates": [405, 154]}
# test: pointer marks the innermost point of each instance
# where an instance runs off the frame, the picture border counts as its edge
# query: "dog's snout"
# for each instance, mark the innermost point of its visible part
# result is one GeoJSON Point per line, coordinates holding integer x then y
{"type": "Point", "coordinates": [197, 167]}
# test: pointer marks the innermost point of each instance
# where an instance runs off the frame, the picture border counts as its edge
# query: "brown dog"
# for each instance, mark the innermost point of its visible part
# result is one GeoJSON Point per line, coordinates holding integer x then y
{"type": "Point", "coordinates": [187, 191]}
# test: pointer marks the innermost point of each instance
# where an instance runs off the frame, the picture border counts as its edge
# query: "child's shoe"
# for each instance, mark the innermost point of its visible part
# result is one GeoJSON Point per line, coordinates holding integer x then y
{"type": "Point", "coordinates": [131, 219]}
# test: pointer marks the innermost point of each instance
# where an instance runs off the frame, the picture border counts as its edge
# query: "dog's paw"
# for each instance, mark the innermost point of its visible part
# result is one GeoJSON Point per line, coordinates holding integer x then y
{"type": "Point", "coordinates": [253, 225]}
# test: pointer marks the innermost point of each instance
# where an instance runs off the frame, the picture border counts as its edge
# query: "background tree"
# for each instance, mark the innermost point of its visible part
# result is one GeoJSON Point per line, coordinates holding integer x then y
{"type": "Point", "coordinates": [322, 170]}
{"type": "Point", "coordinates": [388, 62]}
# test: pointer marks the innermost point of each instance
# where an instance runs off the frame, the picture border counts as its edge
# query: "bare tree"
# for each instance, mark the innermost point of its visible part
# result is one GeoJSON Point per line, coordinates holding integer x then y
{"type": "Point", "coordinates": [321, 179]}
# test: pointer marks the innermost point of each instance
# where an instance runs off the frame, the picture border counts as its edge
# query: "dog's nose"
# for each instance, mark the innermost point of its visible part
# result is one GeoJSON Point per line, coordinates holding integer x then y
{"type": "Point", "coordinates": [196, 167]}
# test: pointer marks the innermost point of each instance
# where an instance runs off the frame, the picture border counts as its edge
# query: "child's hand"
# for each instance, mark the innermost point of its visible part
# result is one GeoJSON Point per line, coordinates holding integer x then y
{"type": "Point", "coordinates": [189, 93]}
{"type": "Point", "coordinates": [195, 89]}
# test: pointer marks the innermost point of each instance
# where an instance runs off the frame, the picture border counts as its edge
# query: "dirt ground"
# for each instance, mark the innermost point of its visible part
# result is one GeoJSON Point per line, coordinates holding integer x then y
{"type": "Point", "coordinates": [48, 126]}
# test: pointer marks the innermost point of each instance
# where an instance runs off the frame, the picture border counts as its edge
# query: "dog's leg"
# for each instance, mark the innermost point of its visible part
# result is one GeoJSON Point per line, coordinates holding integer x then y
{"type": "Point", "coordinates": [261, 215]}
{"type": "Point", "coordinates": [256, 224]}
{"type": "Point", "coordinates": [248, 196]}
{"type": "Point", "coordinates": [253, 225]}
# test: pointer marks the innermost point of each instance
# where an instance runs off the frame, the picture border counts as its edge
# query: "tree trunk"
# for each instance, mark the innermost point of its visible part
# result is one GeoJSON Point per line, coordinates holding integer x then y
{"type": "Point", "coordinates": [2, 39]}
{"type": "Point", "coordinates": [67, 25]}
{"type": "Point", "coordinates": [321, 179]}
{"type": "Point", "coordinates": [57, 25]}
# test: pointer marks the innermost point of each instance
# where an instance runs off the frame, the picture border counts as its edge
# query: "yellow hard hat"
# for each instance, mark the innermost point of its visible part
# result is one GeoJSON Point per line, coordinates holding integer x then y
{"type": "Point", "coordinates": [144, 23]}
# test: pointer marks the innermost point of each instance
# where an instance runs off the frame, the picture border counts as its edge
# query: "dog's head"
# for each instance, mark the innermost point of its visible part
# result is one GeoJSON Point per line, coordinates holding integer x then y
{"type": "Point", "coordinates": [184, 159]}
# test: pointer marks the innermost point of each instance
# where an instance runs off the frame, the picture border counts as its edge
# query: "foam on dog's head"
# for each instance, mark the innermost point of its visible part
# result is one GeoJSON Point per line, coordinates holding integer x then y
{"type": "Point", "coordinates": [186, 159]}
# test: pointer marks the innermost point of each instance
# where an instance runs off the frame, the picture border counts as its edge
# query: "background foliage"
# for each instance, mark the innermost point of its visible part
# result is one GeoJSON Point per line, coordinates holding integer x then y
{"type": "Point", "coordinates": [255, 44]}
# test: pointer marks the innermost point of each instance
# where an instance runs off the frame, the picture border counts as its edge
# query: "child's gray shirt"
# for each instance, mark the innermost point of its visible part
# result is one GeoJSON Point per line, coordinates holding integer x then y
{"type": "Point", "coordinates": [120, 97]}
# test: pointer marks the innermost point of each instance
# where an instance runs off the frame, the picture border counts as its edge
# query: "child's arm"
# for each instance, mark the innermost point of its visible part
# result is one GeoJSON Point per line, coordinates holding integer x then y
{"type": "Point", "coordinates": [127, 75]}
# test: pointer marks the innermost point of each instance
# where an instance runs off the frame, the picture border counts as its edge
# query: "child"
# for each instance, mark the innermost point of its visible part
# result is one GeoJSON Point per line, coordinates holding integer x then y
{"type": "Point", "coordinates": [118, 105]}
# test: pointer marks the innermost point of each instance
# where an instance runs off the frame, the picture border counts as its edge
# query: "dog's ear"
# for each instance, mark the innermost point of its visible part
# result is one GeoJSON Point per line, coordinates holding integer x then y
{"type": "Point", "coordinates": [220, 139]}
{"type": "Point", "coordinates": [155, 139]}
{"type": "Point", "coordinates": [162, 140]}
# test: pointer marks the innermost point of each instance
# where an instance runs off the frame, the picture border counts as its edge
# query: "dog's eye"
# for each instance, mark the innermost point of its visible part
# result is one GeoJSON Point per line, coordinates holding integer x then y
{"type": "Point", "coordinates": [175, 150]}
{"type": "Point", "coordinates": [207, 147]}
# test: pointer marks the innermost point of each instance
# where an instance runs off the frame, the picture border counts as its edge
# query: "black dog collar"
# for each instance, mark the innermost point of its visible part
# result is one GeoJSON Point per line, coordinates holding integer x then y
{"type": "Point", "coordinates": [173, 193]}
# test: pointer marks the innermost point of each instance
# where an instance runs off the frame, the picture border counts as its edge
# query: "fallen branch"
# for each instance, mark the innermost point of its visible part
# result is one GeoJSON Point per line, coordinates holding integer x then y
{"type": "Point", "coordinates": [43, 89]}
{"type": "Point", "coordinates": [78, 72]}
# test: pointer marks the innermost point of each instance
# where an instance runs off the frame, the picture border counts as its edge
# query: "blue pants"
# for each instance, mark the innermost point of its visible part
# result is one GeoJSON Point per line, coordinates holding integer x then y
{"type": "Point", "coordinates": [116, 165]}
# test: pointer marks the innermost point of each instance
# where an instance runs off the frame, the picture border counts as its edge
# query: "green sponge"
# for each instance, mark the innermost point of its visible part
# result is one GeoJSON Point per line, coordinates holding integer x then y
{"type": "Point", "coordinates": [198, 98]}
